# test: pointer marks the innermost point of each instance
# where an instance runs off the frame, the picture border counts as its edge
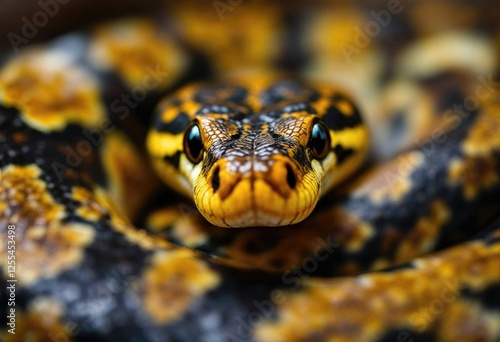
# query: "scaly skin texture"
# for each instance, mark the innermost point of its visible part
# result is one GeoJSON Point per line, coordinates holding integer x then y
{"type": "Point", "coordinates": [258, 167]}
{"type": "Point", "coordinates": [73, 177]}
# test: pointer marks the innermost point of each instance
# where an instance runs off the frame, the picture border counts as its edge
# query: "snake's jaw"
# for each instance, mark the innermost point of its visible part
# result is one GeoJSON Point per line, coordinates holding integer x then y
{"type": "Point", "coordinates": [244, 193]}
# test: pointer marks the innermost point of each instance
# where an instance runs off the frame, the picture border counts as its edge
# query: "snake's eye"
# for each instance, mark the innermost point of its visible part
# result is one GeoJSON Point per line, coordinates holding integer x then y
{"type": "Point", "coordinates": [193, 146]}
{"type": "Point", "coordinates": [319, 142]}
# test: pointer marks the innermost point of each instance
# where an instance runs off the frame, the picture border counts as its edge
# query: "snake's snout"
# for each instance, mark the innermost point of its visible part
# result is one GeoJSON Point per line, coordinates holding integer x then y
{"type": "Point", "coordinates": [262, 192]}
{"type": "Point", "coordinates": [281, 175]}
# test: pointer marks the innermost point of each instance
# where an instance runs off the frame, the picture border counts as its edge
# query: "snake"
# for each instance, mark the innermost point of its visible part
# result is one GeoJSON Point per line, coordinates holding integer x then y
{"type": "Point", "coordinates": [234, 152]}
{"type": "Point", "coordinates": [282, 225]}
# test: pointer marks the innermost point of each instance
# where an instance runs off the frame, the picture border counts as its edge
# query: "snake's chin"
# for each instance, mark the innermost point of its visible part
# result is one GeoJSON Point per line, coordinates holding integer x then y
{"type": "Point", "coordinates": [255, 211]}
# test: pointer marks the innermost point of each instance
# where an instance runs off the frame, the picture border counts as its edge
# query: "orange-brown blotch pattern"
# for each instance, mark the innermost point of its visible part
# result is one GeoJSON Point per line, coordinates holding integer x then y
{"type": "Point", "coordinates": [172, 282]}
{"type": "Point", "coordinates": [51, 91]}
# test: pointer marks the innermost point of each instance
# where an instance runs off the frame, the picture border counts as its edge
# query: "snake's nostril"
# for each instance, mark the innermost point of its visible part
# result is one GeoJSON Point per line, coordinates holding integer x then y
{"type": "Point", "coordinates": [290, 177]}
{"type": "Point", "coordinates": [216, 179]}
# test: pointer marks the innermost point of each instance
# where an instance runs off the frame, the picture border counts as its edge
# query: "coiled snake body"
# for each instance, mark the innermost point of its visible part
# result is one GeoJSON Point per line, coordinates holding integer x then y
{"type": "Point", "coordinates": [252, 152]}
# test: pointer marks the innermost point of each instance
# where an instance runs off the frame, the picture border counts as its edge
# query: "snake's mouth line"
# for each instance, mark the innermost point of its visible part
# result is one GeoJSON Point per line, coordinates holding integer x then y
{"type": "Point", "coordinates": [277, 196]}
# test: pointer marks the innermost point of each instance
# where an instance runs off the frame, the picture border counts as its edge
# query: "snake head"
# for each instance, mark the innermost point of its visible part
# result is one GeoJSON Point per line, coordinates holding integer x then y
{"type": "Point", "coordinates": [256, 152]}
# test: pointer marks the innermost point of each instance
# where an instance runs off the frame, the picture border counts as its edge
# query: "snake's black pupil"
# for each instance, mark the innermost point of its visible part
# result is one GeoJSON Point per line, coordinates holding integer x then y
{"type": "Point", "coordinates": [319, 141]}
{"type": "Point", "coordinates": [193, 144]}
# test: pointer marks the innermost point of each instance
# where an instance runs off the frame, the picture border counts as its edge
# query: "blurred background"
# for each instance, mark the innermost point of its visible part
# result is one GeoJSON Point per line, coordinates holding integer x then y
{"type": "Point", "coordinates": [426, 16]}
